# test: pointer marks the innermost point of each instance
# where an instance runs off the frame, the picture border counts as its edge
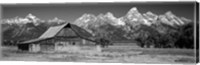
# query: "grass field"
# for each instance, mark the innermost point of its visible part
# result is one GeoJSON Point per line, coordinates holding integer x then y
{"type": "Point", "coordinates": [116, 54]}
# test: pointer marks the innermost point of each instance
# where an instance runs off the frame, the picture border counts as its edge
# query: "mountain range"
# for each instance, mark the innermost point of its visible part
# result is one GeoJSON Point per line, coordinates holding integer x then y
{"type": "Point", "coordinates": [127, 27]}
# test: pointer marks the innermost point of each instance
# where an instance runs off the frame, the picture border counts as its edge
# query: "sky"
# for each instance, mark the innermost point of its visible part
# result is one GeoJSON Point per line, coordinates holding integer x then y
{"type": "Point", "coordinates": [72, 11]}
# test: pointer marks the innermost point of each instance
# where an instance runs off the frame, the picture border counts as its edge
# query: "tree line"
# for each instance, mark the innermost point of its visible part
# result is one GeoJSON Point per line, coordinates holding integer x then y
{"type": "Point", "coordinates": [180, 37]}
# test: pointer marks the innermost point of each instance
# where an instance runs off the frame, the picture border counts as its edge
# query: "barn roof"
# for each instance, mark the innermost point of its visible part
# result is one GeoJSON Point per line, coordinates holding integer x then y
{"type": "Point", "coordinates": [52, 31]}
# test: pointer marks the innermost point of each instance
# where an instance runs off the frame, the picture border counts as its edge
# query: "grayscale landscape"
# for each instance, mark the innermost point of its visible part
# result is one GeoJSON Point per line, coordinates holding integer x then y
{"type": "Point", "coordinates": [158, 36]}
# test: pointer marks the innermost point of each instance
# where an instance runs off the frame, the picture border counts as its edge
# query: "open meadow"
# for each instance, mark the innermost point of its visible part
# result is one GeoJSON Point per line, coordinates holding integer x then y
{"type": "Point", "coordinates": [129, 53]}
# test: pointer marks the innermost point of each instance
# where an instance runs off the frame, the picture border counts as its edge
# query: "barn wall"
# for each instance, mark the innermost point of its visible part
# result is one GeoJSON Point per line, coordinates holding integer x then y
{"type": "Point", "coordinates": [30, 47]}
{"type": "Point", "coordinates": [67, 45]}
{"type": "Point", "coordinates": [34, 47]}
{"type": "Point", "coordinates": [47, 47]}
{"type": "Point", "coordinates": [83, 41]}
{"type": "Point", "coordinates": [88, 43]}
{"type": "Point", "coordinates": [57, 44]}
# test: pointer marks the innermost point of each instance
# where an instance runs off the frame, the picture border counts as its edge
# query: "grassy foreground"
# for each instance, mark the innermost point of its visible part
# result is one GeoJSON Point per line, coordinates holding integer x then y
{"type": "Point", "coordinates": [116, 54]}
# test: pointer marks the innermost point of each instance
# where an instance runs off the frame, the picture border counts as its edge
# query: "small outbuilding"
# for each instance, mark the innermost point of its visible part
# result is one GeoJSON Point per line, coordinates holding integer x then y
{"type": "Point", "coordinates": [58, 38]}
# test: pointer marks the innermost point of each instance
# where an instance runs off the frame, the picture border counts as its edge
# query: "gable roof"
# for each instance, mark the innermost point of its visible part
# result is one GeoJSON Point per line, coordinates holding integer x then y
{"type": "Point", "coordinates": [52, 31]}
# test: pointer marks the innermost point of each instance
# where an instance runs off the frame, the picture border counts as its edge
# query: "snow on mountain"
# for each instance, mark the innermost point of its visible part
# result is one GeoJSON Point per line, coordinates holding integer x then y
{"type": "Point", "coordinates": [150, 16]}
{"type": "Point", "coordinates": [128, 24]}
{"type": "Point", "coordinates": [56, 20]}
{"type": "Point", "coordinates": [134, 15]}
{"type": "Point", "coordinates": [21, 21]}
{"type": "Point", "coordinates": [113, 19]}
{"type": "Point", "coordinates": [171, 19]}
{"type": "Point", "coordinates": [104, 23]}
{"type": "Point", "coordinates": [33, 19]}
{"type": "Point", "coordinates": [185, 20]}
{"type": "Point", "coordinates": [28, 27]}
{"type": "Point", "coordinates": [99, 22]}
{"type": "Point", "coordinates": [132, 18]}
{"type": "Point", "coordinates": [16, 20]}
{"type": "Point", "coordinates": [87, 19]}
{"type": "Point", "coordinates": [30, 18]}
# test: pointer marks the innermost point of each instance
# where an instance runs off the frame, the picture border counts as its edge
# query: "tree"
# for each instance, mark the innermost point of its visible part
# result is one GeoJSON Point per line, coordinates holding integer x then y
{"type": "Point", "coordinates": [102, 43]}
{"type": "Point", "coordinates": [186, 37]}
{"type": "Point", "coordinates": [180, 36]}
{"type": "Point", "coordinates": [147, 36]}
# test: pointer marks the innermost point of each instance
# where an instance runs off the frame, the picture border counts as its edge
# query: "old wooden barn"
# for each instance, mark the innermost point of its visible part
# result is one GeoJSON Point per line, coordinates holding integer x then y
{"type": "Point", "coordinates": [58, 38]}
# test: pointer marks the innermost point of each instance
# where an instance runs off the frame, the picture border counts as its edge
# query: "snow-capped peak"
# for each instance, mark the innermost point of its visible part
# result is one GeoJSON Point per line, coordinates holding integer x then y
{"type": "Point", "coordinates": [150, 13]}
{"type": "Point", "coordinates": [86, 17]}
{"type": "Point", "coordinates": [33, 19]}
{"type": "Point", "coordinates": [185, 19]}
{"type": "Point", "coordinates": [19, 20]}
{"type": "Point", "coordinates": [113, 19]}
{"type": "Point", "coordinates": [110, 15]}
{"type": "Point", "coordinates": [150, 16]}
{"type": "Point", "coordinates": [56, 20]}
{"type": "Point", "coordinates": [31, 16]}
{"type": "Point", "coordinates": [169, 14]}
{"type": "Point", "coordinates": [134, 15]}
{"type": "Point", "coordinates": [171, 19]}
{"type": "Point", "coordinates": [134, 11]}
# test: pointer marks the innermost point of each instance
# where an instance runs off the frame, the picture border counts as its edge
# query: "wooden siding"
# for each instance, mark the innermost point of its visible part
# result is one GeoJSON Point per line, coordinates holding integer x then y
{"type": "Point", "coordinates": [46, 47]}
{"type": "Point", "coordinates": [34, 47]}
{"type": "Point", "coordinates": [58, 44]}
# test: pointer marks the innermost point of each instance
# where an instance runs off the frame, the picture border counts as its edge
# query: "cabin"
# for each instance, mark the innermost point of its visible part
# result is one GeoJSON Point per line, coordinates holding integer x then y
{"type": "Point", "coordinates": [58, 38]}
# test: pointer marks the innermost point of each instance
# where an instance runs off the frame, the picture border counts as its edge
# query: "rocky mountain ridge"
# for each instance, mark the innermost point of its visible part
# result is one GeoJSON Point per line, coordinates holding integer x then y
{"type": "Point", "coordinates": [102, 25]}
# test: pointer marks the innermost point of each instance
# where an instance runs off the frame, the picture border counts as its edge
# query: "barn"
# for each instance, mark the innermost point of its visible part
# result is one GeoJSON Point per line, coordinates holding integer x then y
{"type": "Point", "coordinates": [58, 38]}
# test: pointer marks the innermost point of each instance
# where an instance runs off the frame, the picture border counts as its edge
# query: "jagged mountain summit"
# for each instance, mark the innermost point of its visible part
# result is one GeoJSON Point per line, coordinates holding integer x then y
{"type": "Point", "coordinates": [20, 20]}
{"type": "Point", "coordinates": [30, 18]}
{"type": "Point", "coordinates": [107, 25]}
{"type": "Point", "coordinates": [86, 19]}
{"type": "Point", "coordinates": [131, 22]}
{"type": "Point", "coordinates": [133, 17]}
{"type": "Point", "coordinates": [28, 27]}
{"type": "Point", "coordinates": [56, 20]}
